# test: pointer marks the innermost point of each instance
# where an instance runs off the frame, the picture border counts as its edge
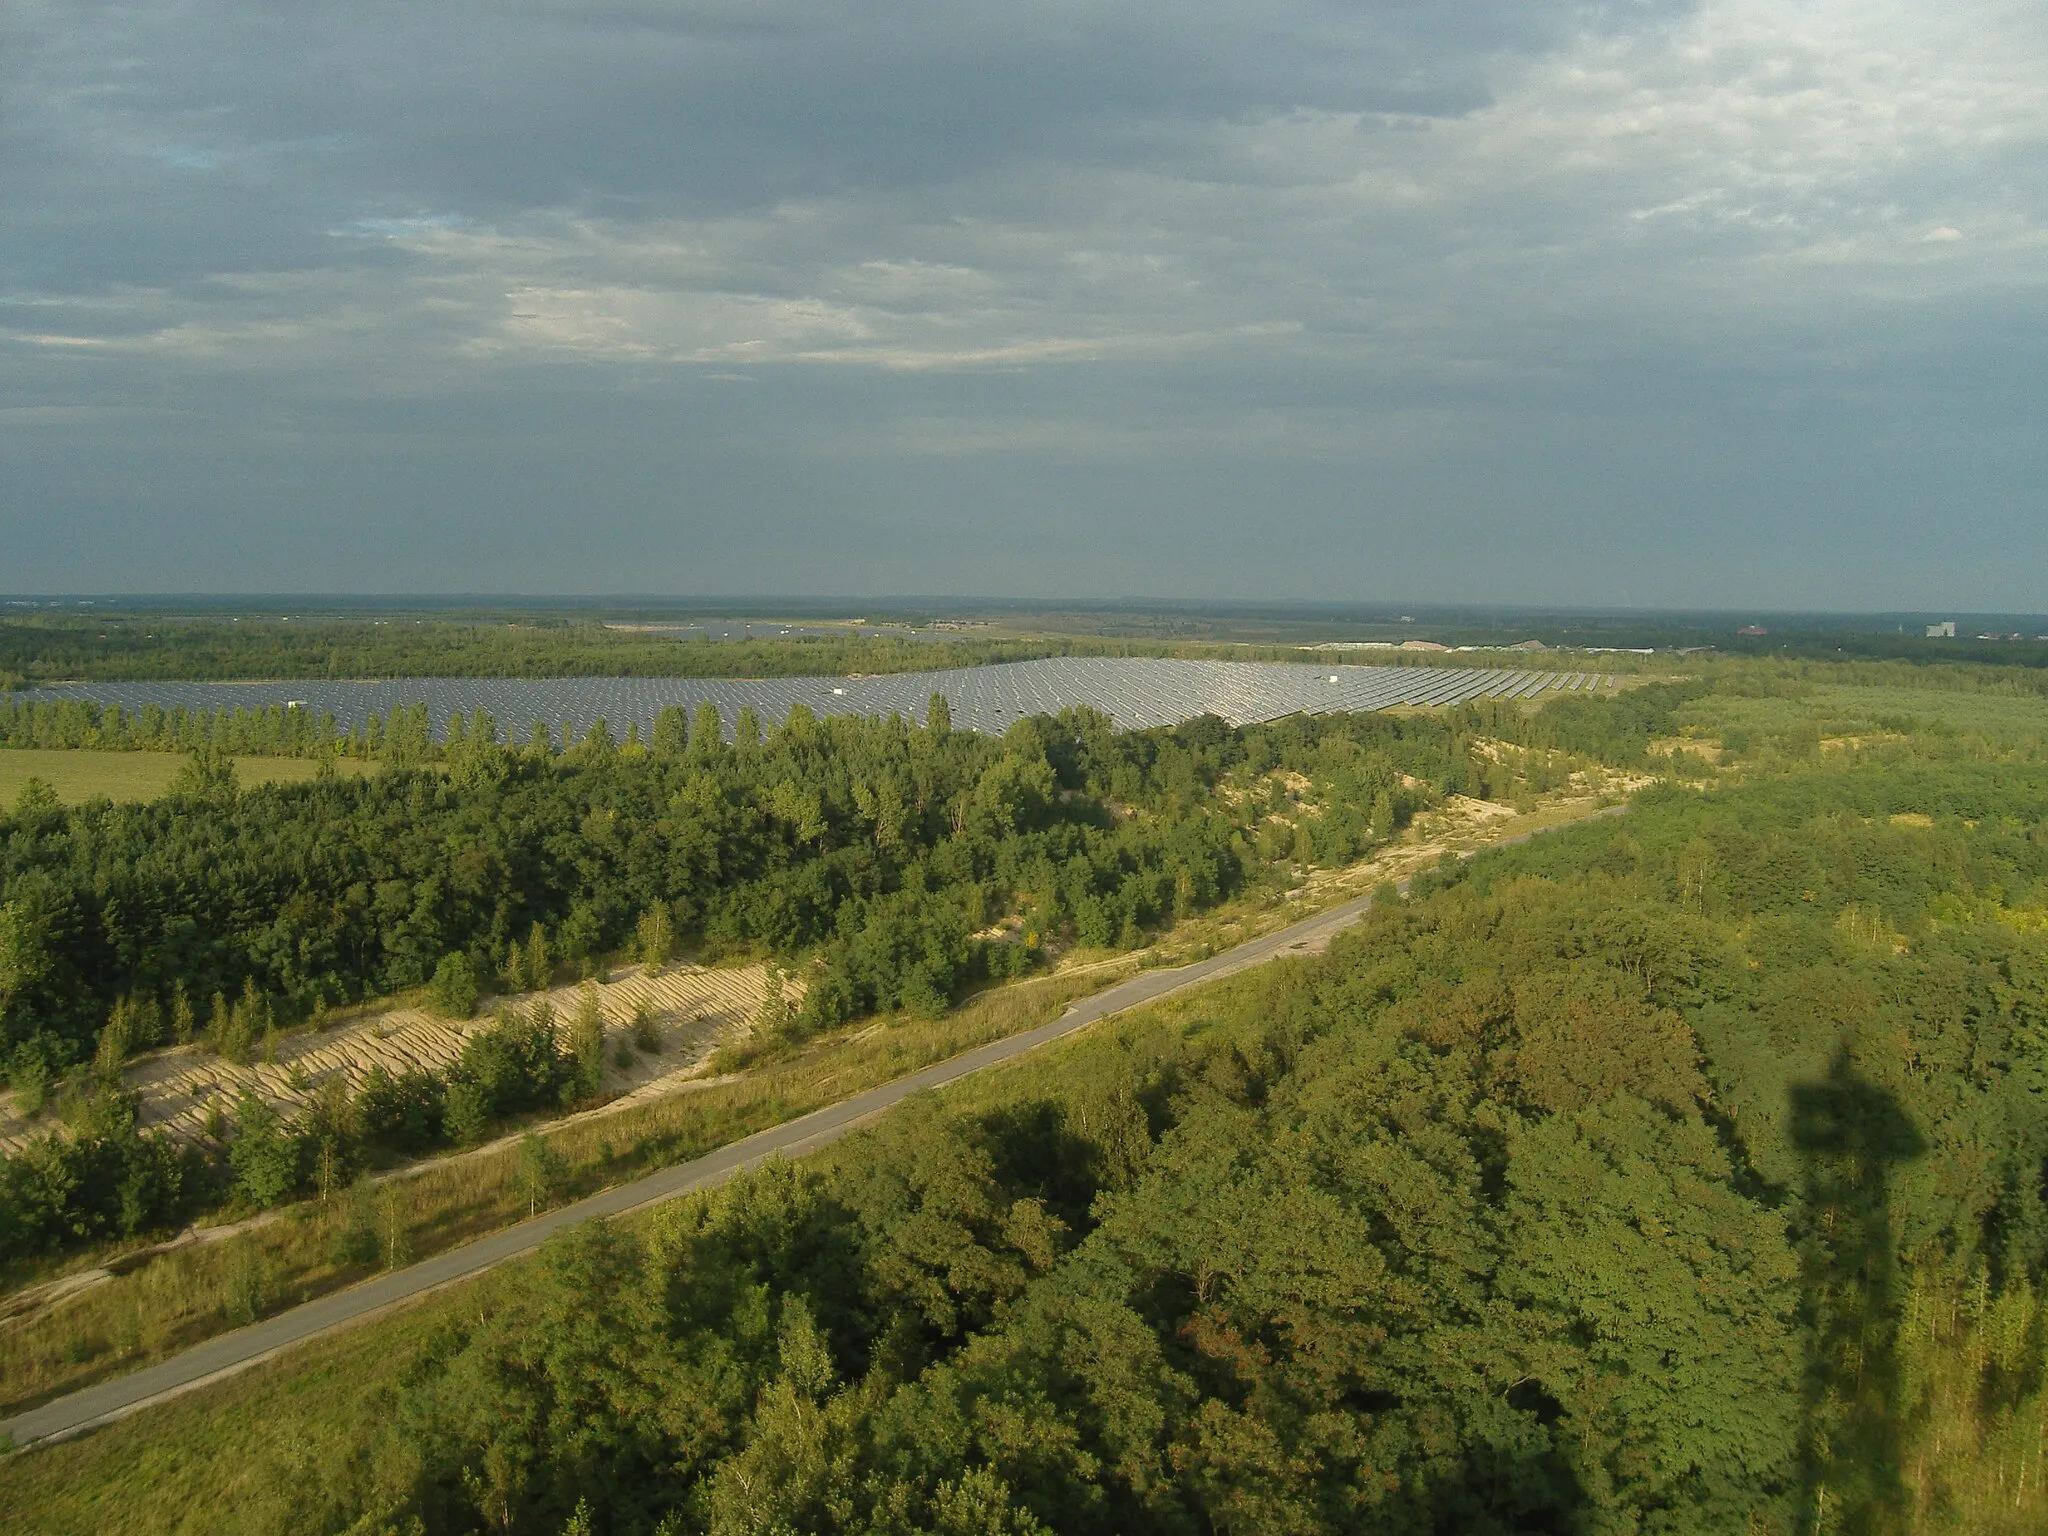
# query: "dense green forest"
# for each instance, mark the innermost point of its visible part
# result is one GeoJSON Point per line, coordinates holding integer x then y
{"type": "Point", "coordinates": [1680, 1173]}
{"type": "Point", "coordinates": [898, 865]}
{"type": "Point", "coordinates": [131, 647]}
{"type": "Point", "coordinates": [837, 837]}
{"type": "Point", "coordinates": [137, 648]}
{"type": "Point", "coordinates": [1685, 1171]}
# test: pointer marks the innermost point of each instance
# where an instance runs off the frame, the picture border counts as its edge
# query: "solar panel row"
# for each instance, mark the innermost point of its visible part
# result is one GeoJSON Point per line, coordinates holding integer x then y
{"type": "Point", "coordinates": [1136, 693]}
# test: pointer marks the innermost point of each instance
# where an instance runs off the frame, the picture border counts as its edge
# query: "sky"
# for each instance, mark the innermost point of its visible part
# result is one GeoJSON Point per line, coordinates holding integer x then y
{"type": "Point", "coordinates": [1716, 305]}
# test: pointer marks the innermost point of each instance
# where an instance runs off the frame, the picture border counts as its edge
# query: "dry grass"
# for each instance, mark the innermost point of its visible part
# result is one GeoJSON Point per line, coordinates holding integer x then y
{"type": "Point", "coordinates": [234, 1457]}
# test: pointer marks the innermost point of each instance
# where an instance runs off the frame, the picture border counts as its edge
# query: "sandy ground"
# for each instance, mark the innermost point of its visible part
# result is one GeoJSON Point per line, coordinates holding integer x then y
{"type": "Point", "coordinates": [693, 1007]}
{"type": "Point", "coordinates": [1463, 825]}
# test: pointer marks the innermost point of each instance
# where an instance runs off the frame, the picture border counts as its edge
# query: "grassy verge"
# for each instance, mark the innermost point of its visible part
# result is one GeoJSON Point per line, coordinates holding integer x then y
{"type": "Point", "coordinates": [78, 774]}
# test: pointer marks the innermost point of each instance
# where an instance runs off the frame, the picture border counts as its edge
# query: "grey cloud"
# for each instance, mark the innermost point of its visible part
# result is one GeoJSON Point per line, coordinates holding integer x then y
{"type": "Point", "coordinates": [246, 130]}
{"type": "Point", "coordinates": [892, 293]}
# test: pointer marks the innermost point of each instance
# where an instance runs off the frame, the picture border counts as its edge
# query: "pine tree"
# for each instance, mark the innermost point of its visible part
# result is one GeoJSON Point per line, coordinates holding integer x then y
{"type": "Point", "coordinates": [540, 965]}
{"type": "Point", "coordinates": [586, 1040]}
{"type": "Point", "coordinates": [671, 732]}
{"type": "Point", "coordinates": [708, 733]}
{"type": "Point", "coordinates": [655, 937]}
{"type": "Point", "coordinates": [114, 1042]}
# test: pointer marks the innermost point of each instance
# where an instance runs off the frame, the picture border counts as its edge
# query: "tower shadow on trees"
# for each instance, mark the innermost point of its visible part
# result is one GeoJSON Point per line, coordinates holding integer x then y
{"type": "Point", "coordinates": [1850, 1135]}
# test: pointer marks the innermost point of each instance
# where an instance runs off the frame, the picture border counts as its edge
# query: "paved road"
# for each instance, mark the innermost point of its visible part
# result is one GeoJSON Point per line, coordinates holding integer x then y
{"type": "Point", "coordinates": [245, 1347]}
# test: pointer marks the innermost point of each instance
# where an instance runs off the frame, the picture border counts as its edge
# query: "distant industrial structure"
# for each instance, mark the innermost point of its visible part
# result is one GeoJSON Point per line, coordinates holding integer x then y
{"type": "Point", "coordinates": [1945, 630]}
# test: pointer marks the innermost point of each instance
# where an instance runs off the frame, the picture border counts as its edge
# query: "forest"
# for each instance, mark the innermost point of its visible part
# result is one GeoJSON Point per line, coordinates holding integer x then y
{"type": "Point", "coordinates": [898, 866]}
{"type": "Point", "coordinates": [1681, 1172]}
{"type": "Point", "coordinates": [823, 837]}
{"type": "Point", "coordinates": [130, 647]}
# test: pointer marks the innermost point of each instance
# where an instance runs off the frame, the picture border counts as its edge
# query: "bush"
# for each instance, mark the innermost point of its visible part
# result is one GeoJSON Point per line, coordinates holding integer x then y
{"type": "Point", "coordinates": [403, 1112]}
{"type": "Point", "coordinates": [468, 1115]}
{"type": "Point", "coordinates": [646, 1032]}
{"type": "Point", "coordinates": [453, 993]}
{"type": "Point", "coordinates": [245, 1289]}
{"type": "Point", "coordinates": [267, 1154]}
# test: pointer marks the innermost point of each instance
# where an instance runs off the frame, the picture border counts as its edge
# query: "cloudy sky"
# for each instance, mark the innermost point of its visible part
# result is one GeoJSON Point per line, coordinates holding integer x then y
{"type": "Point", "coordinates": [1731, 303]}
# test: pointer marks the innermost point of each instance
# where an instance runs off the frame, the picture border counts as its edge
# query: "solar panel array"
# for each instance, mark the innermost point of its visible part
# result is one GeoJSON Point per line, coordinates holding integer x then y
{"type": "Point", "coordinates": [1134, 692]}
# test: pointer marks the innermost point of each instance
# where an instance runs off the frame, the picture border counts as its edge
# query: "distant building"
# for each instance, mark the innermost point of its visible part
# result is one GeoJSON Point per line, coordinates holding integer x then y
{"type": "Point", "coordinates": [1945, 630]}
{"type": "Point", "coordinates": [1752, 629]}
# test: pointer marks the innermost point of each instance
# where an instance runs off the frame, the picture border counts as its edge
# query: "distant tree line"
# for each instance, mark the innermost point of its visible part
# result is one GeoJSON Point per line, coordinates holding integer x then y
{"type": "Point", "coordinates": [139, 648]}
{"type": "Point", "coordinates": [142, 648]}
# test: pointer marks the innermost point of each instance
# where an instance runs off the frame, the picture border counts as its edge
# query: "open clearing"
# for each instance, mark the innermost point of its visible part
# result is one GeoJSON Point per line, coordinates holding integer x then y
{"type": "Point", "coordinates": [78, 775]}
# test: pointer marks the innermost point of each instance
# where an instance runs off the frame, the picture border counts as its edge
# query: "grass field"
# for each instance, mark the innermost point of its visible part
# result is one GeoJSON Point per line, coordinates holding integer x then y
{"type": "Point", "coordinates": [1992, 720]}
{"type": "Point", "coordinates": [78, 776]}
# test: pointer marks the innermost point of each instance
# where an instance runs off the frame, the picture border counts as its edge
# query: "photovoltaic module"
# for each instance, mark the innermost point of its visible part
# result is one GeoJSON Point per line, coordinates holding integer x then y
{"type": "Point", "coordinates": [1134, 692]}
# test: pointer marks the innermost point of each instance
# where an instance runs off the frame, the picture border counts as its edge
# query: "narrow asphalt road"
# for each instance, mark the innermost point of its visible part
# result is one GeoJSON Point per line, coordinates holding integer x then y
{"type": "Point", "coordinates": [231, 1352]}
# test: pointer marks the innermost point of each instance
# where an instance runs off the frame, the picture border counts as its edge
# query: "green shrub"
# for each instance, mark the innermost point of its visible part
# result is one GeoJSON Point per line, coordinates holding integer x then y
{"type": "Point", "coordinates": [267, 1154]}
{"type": "Point", "coordinates": [245, 1288]}
{"type": "Point", "coordinates": [468, 1113]}
{"type": "Point", "coordinates": [646, 1032]}
{"type": "Point", "coordinates": [403, 1112]}
{"type": "Point", "coordinates": [453, 993]}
